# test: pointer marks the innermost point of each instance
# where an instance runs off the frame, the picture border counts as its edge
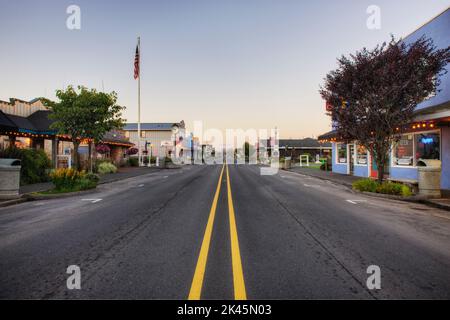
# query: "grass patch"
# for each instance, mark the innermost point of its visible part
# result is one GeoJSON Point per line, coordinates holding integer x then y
{"type": "Point", "coordinates": [314, 165]}
{"type": "Point", "coordinates": [392, 188]}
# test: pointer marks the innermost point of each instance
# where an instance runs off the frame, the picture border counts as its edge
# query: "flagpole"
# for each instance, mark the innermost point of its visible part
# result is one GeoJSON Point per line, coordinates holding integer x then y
{"type": "Point", "coordinates": [139, 103]}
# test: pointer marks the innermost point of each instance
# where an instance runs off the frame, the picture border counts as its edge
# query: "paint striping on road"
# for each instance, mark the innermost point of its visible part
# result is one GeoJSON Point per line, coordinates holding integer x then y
{"type": "Point", "coordinates": [355, 201]}
{"type": "Point", "coordinates": [238, 275]}
{"type": "Point", "coordinates": [92, 200]}
{"type": "Point", "coordinates": [199, 274]}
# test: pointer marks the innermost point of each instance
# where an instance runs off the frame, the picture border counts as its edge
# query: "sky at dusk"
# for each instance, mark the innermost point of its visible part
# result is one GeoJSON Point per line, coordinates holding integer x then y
{"type": "Point", "coordinates": [230, 63]}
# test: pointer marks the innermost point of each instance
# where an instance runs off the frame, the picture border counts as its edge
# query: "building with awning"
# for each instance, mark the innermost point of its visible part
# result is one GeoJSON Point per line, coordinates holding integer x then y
{"type": "Point", "coordinates": [425, 140]}
{"type": "Point", "coordinates": [25, 124]}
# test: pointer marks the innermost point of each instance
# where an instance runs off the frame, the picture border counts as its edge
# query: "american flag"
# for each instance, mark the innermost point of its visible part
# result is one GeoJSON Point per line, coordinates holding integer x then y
{"type": "Point", "coordinates": [136, 63]}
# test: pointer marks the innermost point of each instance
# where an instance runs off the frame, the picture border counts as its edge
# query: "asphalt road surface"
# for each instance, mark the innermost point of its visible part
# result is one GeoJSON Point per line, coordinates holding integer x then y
{"type": "Point", "coordinates": [223, 232]}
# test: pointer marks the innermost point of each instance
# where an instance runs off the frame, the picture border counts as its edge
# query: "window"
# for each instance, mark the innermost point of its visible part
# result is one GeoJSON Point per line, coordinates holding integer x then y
{"type": "Point", "coordinates": [404, 151]}
{"type": "Point", "coordinates": [416, 146]}
{"type": "Point", "coordinates": [361, 155]}
{"type": "Point", "coordinates": [428, 146]}
{"type": "Point", "coordinates": [142, 134]}
{"type": "Point", "coordinates": [341, 153]}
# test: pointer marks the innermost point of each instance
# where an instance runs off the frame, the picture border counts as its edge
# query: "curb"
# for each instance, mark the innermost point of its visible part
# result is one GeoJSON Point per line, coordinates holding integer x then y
{"type": "Point", "coordinates": [414, 199]}
{"type": "Point", "coordinates": [35, 196]}
{"type": "Point", "coordinates": [13, 201]}
{"type": "Point", "coordinates": [435, 205]}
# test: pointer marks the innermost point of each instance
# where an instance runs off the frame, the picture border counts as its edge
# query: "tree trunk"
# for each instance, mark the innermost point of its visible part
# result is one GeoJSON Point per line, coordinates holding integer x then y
{"type": "Point", "coordinates": [90, 157]}
{"type": "Point", "coordinates": [380, 165]}
{"type": "Point", "coordinates": [380, 159]}
{"type": "Point", "coordinates": [76, 155]}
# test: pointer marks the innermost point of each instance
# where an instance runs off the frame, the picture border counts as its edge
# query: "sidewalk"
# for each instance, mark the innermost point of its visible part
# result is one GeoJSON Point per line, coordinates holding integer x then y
{"type": "Point", "coordinates": [344, 179]}
{"type": "Point", "coordinates": [123, 173]}
{"type": "Point", "coordinates": [347, 180]}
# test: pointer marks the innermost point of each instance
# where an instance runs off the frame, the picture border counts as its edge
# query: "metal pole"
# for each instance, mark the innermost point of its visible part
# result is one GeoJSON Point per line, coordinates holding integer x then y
{"type": "Point", "coordinates": [139, 104]}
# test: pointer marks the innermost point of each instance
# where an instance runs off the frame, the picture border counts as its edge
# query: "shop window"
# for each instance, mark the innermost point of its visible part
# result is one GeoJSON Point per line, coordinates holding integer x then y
{"type": "Point", "coordinates": [341, 153]}
{"type": "Point", "coordinates": [428, 146]}
{"type": "Point", "coordinates": [361, 155]}
{"type": "Point", "coordinates": [404, 151]}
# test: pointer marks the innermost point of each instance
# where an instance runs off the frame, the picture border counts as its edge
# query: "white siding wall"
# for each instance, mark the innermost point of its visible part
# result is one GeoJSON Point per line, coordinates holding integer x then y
{"type": "Point", "coordinates": [153, 137]}
{"type": "Point", "coordinates": [19, 108]}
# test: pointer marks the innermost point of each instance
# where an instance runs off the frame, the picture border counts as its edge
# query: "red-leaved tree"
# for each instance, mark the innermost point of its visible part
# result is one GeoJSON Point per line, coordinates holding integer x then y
{"type": "Point", "coordinates": [373, 93]}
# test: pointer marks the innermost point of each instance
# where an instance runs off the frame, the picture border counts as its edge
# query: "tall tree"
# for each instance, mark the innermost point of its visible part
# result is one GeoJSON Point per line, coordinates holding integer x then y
{"type": "Point", "coordinates": [373, 93]}
{"type": "Point", "coordinates": [84, 114]}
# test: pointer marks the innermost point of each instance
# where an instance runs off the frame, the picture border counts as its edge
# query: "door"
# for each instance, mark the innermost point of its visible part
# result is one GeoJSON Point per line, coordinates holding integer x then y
{"type": "Point", "coordinates": [374, 168]}
{"type": "Point", "coordinates": [351, 158]}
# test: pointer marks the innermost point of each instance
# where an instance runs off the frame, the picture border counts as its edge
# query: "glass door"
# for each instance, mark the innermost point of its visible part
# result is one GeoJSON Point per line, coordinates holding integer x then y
{"type": "Point", "coordinates": [351, 157]}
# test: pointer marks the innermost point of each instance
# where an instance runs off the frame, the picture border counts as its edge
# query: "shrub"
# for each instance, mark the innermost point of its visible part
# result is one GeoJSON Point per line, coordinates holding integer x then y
{"type": "Point", "coordinates": [369, 185]}
{"type": "Point", "coordinates": [70, 180]}
{"type": "Point", "coordinates": [365, 185]}
{"type": "Point", "coordinates": [66, 178]}
{"type": "Point", "coordinates": [35, 164]}
{"type": "Point", "coordinates": [93, 177]}
{"type": "Point", "coordinates": [98, 162]}
{"type": "Point", "coordinates": [133, 162]}
{"type": "Point", "coordinates": [84, 184]}
{"type": "Point", "coordinates": [106, 167]}
{"type": "Point", "coordinates": [406, 191]}
{"type": "Point", "coordinates": [326, 165]}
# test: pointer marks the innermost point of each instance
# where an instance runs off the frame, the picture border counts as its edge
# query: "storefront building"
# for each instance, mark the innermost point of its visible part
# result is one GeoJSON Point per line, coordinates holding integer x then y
{"type": "Point", "coordinates": [25, 124]}
{"type": "Point", "coordinates": [157, 139]}
{"type": "Point", "coordinates": [424, 141]}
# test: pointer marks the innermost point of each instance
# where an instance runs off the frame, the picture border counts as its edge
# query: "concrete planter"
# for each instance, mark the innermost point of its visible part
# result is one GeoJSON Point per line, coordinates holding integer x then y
{"type": "Point", "coordinates": [9, 179]}
{"type": "Point", "coordinates": [430, 181]}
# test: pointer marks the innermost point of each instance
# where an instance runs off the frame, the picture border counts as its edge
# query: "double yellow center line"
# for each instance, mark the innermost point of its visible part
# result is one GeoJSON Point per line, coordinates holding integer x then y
{"type": "Point", "coordinates": [238, 275]}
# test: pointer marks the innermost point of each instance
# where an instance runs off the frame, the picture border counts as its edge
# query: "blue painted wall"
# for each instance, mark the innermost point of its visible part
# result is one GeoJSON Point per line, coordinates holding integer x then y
{"type": "Point", "coordinates": [360, 171]}
{"type": "Point", "coordinates": [445, 158]}
{"type": "Point", "coordinates": [338, 168]}
{"type": "Point", "coordinates": [438, 30]}
{"type": "Point", "coordinates": [403, 173]}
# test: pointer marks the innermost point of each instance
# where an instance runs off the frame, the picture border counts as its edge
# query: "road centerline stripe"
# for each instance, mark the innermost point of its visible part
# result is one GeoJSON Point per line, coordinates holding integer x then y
{"type": "Point", "coordinates": [238, 274]}
{"type": "Point", "coordinates": [199, 274]}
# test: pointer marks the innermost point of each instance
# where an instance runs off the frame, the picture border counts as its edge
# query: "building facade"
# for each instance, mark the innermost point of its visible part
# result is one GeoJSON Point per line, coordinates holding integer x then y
{"type": "Point", "coordinates": [426, 139]}
{"type": "Point", "coordinates": [157, 139]}
{"type": "Point", "coordinates": [25, 124]}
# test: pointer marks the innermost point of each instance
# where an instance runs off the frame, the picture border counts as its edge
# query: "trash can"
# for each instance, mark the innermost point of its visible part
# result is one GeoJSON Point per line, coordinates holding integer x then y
{"type": "Point", "coordinates": [429, 176]}
{"type": "Point", "coordinates": [9, 178]}
{"type": "Point", "coordinates": [287, 163]}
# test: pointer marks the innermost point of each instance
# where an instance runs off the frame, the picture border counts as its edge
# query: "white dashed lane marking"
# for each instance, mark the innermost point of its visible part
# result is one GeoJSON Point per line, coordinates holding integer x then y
{"type": "Point", "coordinates": [92, 200]}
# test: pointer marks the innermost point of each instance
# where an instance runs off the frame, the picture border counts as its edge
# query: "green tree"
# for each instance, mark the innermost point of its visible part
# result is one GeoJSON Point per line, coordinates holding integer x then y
{"type": "Point", "coordinates": [84, 114]}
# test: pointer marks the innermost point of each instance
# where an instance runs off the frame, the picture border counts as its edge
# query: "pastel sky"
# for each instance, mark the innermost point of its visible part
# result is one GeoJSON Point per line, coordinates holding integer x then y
{"type": "Point", "coordinates": [230, 63]}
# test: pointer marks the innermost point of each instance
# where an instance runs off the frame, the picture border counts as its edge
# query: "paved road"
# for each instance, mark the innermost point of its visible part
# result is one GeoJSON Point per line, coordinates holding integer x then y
{"type": "Point", "coordinates": [195, 233]}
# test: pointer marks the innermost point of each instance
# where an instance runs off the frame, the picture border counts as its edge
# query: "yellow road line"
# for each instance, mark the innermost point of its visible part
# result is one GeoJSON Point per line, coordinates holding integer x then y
{"type": "Point", "coordinates": [238, 275]}
{"type": "Point", "coordinates": [197, 281]}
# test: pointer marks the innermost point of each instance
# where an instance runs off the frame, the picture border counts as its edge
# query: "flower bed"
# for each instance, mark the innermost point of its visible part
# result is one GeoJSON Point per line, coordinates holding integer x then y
{"type": "Point", "coordinates": [70, 180]}
{"type": "Point", "coordinates": [391, 188]}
